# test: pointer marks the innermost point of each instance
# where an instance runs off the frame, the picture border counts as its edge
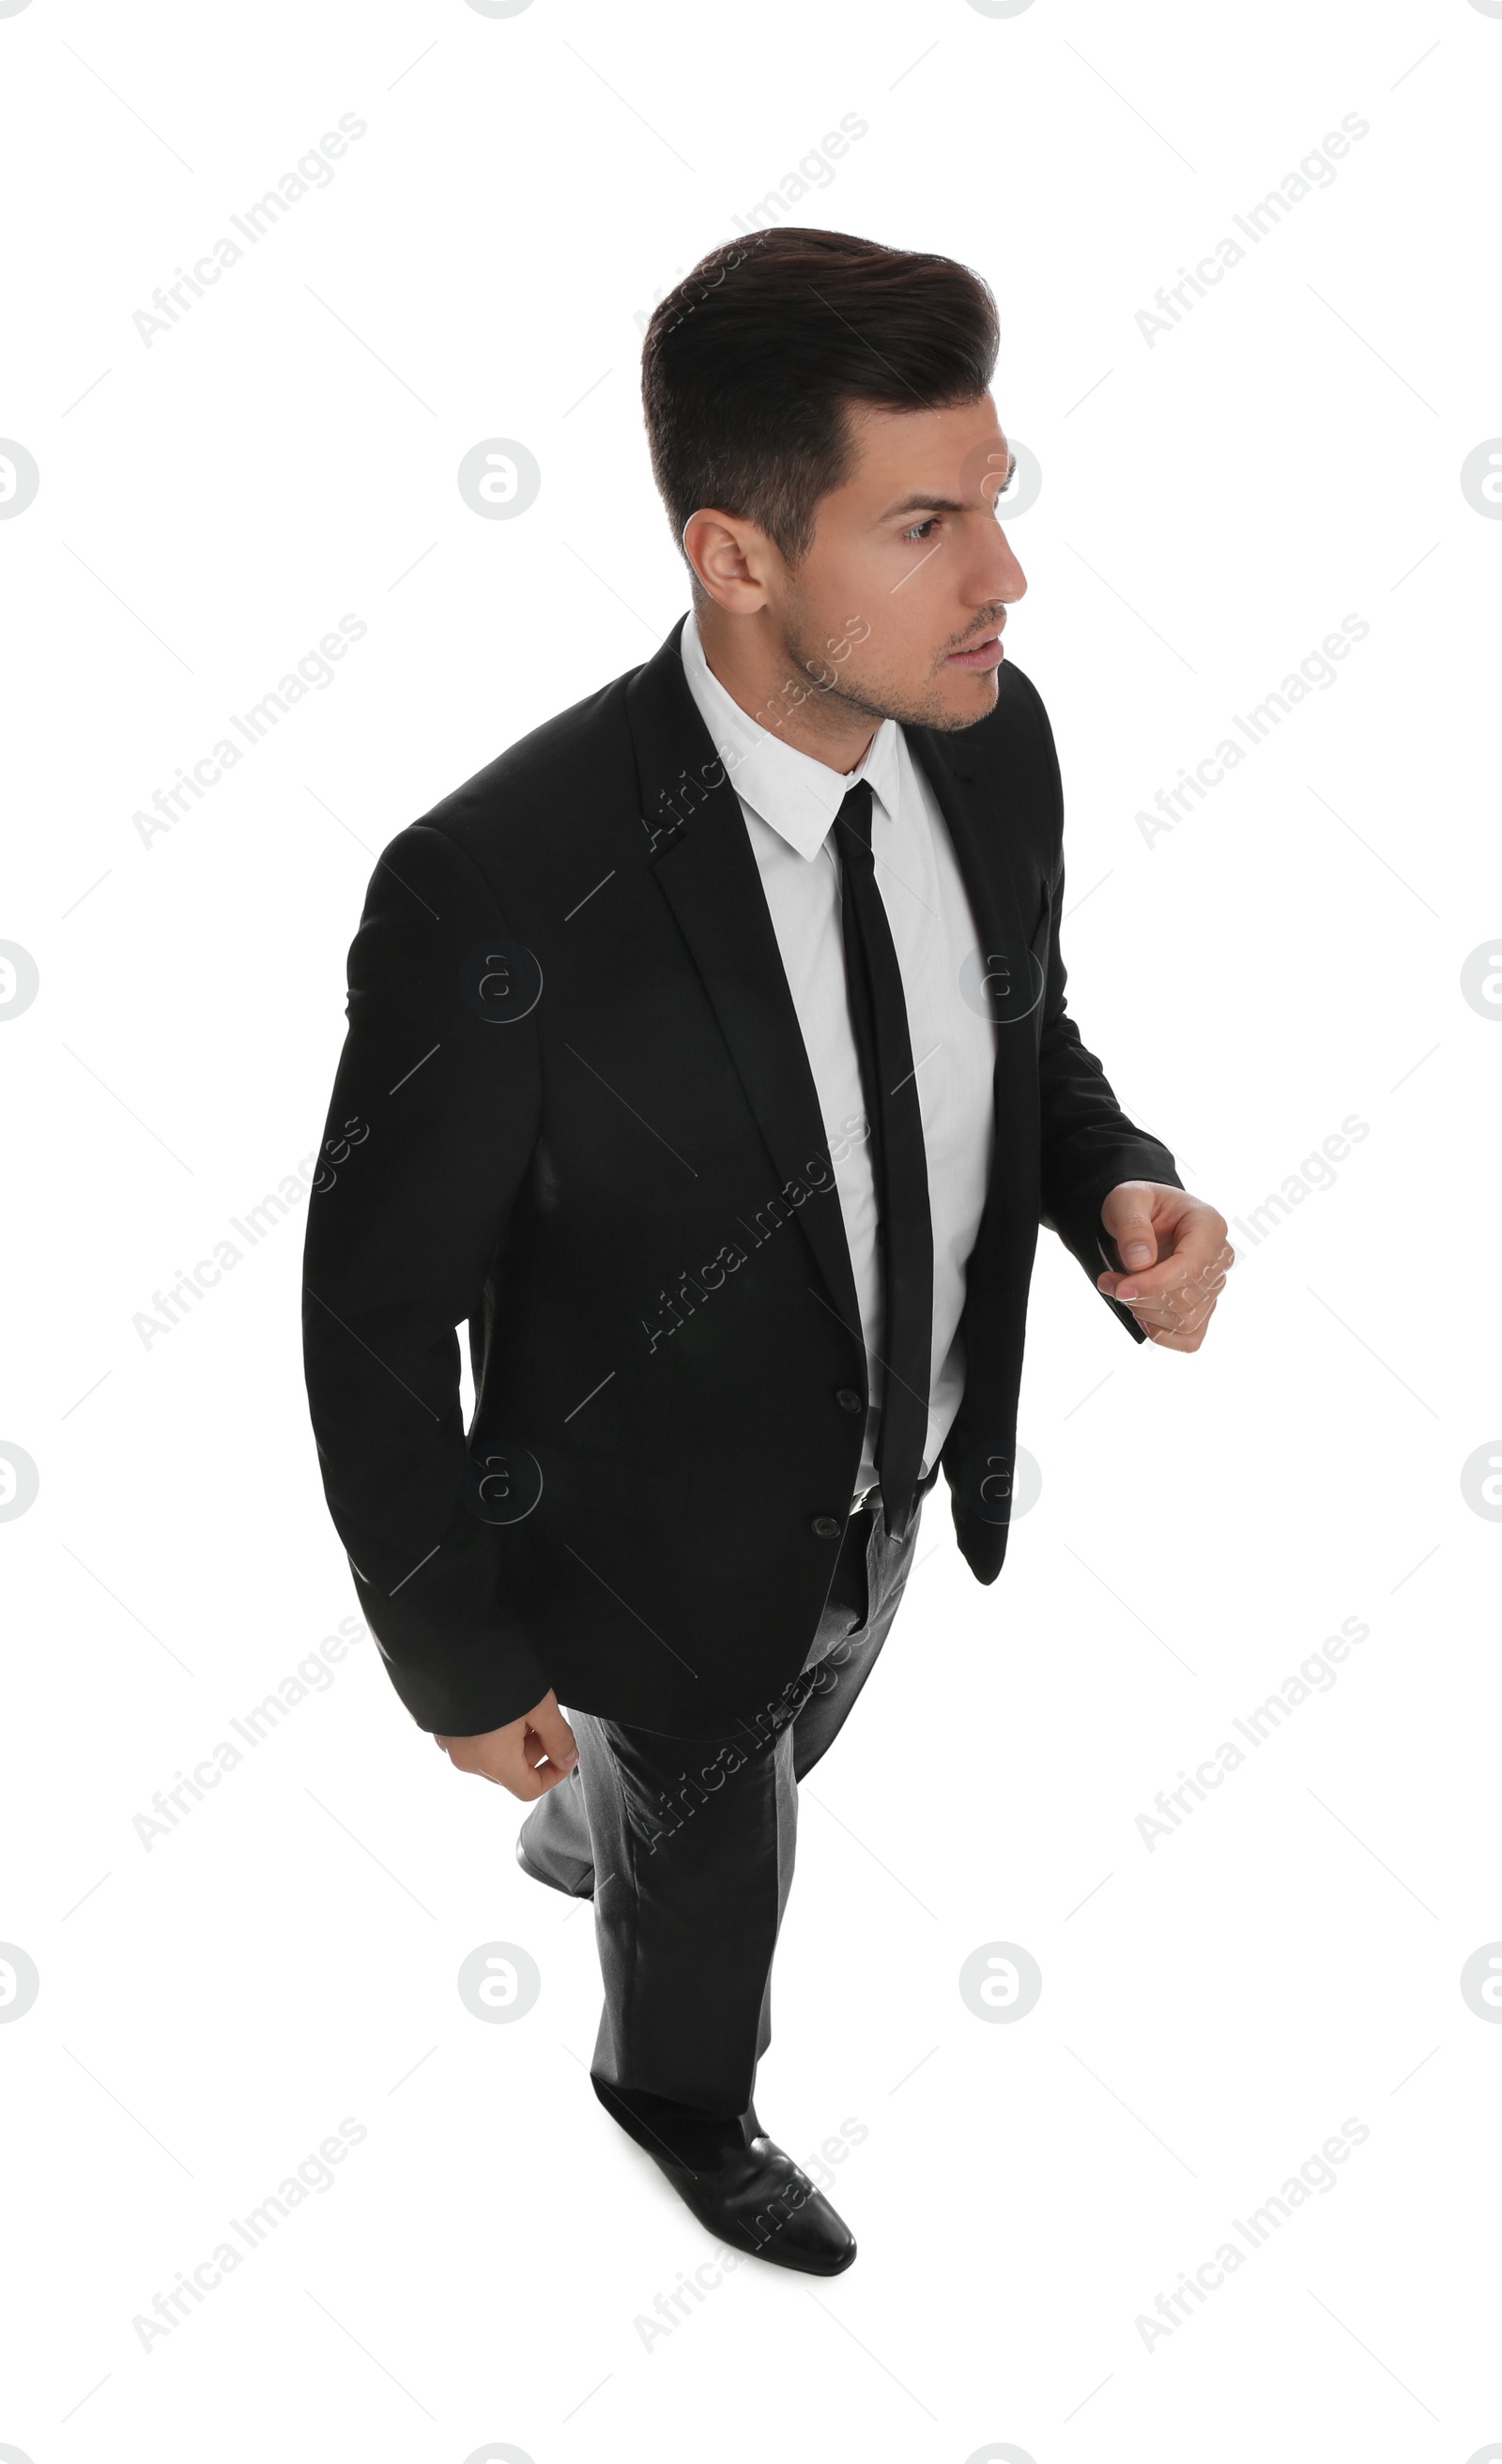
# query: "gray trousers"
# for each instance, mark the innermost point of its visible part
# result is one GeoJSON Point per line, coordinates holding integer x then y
{"type": "Point", "coordinates": [687, 1849]}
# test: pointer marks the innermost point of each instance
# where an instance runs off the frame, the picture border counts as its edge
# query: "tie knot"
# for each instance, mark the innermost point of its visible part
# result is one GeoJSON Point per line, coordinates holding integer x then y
{"type": "Point", "coordinates": [852, 821]}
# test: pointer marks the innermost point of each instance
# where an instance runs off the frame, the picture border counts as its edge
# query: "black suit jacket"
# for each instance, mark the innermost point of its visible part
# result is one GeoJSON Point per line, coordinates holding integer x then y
{"type": "Point", "coordinates": [574, 1110]}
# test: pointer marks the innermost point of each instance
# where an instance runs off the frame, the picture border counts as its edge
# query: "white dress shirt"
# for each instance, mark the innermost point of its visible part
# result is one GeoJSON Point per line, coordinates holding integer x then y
{"type": "Point", "coordinates": [790, 801]}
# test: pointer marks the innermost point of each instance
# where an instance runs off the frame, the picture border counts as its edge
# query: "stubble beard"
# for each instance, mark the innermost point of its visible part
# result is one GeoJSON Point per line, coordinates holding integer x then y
{"type": "Point", "coordinates": [873, 697]}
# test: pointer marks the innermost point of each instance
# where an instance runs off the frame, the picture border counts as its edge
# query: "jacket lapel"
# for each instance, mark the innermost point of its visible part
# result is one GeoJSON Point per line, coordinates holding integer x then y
{"type": "Point", "coordinates": [704, 866]}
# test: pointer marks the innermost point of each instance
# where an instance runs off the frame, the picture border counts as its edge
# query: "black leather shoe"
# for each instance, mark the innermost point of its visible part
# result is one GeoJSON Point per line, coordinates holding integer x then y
{"type": "Point", "coordinates": [742, 2188]}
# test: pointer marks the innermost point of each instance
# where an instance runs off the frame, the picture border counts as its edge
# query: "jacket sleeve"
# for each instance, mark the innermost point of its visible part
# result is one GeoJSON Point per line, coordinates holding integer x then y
{"type": "Point", "coordinates": [430, 1135]}
{"type": "Point", "coordinates": [1087, 1142]}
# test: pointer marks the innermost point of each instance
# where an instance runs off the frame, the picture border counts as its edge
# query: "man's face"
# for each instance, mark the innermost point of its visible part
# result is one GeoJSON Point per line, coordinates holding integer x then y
{"type": "Point", "coordinates": [896, 609]}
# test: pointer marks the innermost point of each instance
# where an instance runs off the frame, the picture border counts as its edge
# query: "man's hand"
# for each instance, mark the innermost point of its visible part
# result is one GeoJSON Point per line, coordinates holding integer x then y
{"type": "Point", "coordinates": [529, 1755]}
{"type": "Point", "coordinates": [1176, 1255]}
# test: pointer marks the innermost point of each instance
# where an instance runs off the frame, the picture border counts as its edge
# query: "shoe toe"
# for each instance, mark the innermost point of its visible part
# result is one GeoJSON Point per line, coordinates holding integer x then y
{"type": "Point", "coordinates": [815, 2239]}
{"type": "Point", "coordinates": [791, 2224]}
{"type": "Point", "coordinates": [748, 2193]}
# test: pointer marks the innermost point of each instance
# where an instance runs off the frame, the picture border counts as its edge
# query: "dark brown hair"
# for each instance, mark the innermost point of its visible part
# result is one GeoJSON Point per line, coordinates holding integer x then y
{"type": "Point", "coordinates": [748, 364]}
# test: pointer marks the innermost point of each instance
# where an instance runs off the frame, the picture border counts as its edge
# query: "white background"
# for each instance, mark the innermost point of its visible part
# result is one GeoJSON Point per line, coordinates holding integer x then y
{"type": "Point", "coordinates": [1214, 2007]}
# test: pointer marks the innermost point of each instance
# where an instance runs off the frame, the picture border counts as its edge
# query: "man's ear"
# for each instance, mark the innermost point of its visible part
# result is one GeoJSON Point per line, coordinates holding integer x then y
{"type": "Point", "coordinates": [736, 562]}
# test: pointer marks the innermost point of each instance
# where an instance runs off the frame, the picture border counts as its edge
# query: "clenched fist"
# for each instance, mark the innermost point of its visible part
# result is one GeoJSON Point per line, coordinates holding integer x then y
{"type": "Point", "coordinates": [529, 1755]}
{"type": "Point", "coordinates": [1177, 1257]}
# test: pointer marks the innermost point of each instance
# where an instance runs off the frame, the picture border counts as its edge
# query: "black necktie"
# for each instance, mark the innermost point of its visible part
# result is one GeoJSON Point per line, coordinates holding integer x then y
{"type": "Point", "coordinates": [879, 1015]}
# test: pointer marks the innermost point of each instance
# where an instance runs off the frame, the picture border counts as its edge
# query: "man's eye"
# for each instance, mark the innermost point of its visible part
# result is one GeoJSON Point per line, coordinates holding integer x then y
{"type": "Point", "coordinates": [921, 530]}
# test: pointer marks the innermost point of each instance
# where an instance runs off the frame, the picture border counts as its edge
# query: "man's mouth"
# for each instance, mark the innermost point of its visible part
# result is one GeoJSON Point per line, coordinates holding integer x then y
{"type": "Point", "coordinates": [984, 652]}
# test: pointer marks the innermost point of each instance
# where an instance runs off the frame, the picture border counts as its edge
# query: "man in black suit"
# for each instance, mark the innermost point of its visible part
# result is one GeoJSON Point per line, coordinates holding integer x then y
{"type": "Point", "coordinates": [708, 1056]}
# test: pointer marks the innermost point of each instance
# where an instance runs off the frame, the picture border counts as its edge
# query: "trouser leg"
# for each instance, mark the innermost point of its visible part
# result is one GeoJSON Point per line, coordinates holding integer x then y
{"type": "Point", "coordinates": [691, 1848]}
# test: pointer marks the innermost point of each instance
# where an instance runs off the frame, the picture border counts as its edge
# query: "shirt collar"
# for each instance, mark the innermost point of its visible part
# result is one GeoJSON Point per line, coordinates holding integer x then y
{"type": "Point", "coordinates": [795, 795]}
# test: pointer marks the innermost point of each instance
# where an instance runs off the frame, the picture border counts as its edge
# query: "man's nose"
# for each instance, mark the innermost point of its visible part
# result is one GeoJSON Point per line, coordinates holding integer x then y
{"type": "Point", "coordinates": [998, 576]}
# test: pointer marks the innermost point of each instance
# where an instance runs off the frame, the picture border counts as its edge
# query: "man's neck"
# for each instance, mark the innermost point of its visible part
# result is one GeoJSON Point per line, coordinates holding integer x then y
{"type": "Point", "coordinates": [747, 657]}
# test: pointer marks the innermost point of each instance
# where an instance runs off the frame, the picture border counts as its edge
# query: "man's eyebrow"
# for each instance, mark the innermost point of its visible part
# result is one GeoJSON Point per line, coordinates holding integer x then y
{"type": "Point", "coordinates": [922, 505]}
{"type": "Point", "coordinates": [939, 504]}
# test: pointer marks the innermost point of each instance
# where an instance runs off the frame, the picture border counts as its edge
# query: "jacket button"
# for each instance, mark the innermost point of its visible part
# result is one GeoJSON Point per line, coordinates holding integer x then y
{"type": "Point", "coordinates": [826, 1527]}
{"type": "Point", "coordinates": [848, 1399]}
